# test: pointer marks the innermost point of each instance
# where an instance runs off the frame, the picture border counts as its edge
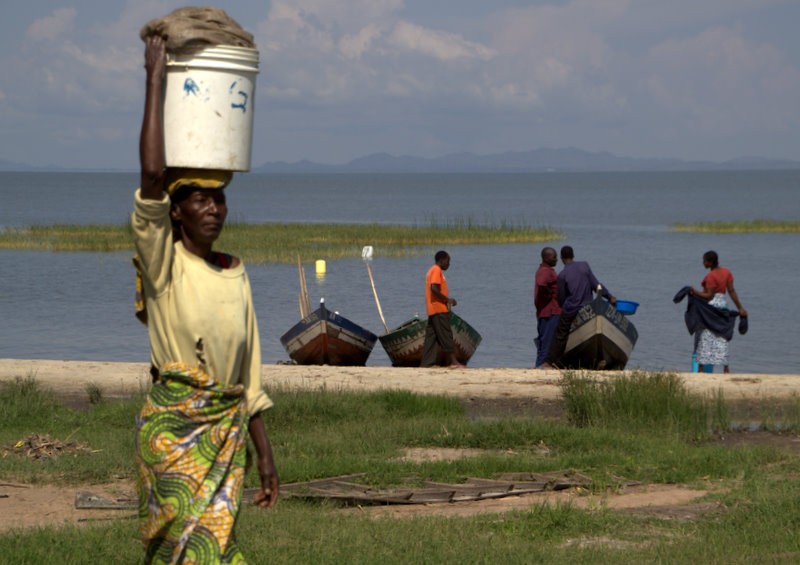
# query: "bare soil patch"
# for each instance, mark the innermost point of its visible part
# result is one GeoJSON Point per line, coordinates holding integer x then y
{"type": "Point", "coordinates": [672, 501]}
{"type": "Point", "coordinates": [25, 506]}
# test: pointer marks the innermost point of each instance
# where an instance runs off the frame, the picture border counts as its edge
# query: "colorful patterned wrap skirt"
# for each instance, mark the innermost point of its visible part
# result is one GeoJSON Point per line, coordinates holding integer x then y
{"type": "Point", "coordinates": [191, 452]}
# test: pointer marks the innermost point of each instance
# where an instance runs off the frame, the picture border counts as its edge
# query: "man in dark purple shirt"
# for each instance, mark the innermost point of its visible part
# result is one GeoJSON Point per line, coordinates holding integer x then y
{"type": "Point", "coordinates": [575, 285]}
{"type": "Point", "coordinates": [545, 300]}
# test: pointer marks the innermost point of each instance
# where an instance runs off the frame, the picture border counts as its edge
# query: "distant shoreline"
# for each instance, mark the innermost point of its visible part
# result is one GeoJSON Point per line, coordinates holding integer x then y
{"type": "Point", "coordinates": [539, 160]}
{"type": "Point", "coordinates": [300, 169]}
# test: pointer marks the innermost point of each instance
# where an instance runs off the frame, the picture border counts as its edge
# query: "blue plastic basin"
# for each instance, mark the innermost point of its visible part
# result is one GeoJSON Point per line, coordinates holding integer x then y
{"type": "Point", "coordinates": [626, 306]}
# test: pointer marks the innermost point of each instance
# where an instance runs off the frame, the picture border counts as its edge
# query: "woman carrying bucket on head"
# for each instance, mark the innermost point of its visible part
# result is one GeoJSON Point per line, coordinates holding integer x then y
{"type": "Point", "coordinates": [207, 395]}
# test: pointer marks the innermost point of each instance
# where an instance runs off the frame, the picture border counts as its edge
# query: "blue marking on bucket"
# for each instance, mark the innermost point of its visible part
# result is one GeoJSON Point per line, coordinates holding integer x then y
{"type": "Point", "coordinates": [243, 105]}
{"type": "Point", "coordinates": [190, 86]}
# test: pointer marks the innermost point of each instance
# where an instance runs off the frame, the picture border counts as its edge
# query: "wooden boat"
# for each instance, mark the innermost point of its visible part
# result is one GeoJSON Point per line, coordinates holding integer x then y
{"type": "Point", "coordinates": [404, 345]}
{"type": "Point", "coordinates": [600, 338]}
{"type": "Point", "coordinates": [327, 338]}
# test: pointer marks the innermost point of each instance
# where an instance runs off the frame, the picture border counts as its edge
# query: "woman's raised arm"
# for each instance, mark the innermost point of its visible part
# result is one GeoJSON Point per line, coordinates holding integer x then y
{"type": "Point", "coordinates": [151, 138]}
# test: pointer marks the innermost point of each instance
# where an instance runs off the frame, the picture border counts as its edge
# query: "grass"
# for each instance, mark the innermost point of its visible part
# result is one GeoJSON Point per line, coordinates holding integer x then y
{"type": "Point", "coordinates": [642, 428]}
{"type": "Point", "coordinates": [659, 403]}
{"type": "Point", "coordinates": [282, 243]}
{"type": "Point", "coordinates": [741, 226]}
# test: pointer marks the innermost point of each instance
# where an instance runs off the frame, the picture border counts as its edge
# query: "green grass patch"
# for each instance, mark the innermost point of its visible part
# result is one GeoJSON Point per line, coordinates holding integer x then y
{"type": "Point", "coordinates": [639, 428]}
{"type": "Point", "coordinates": [282, 243]}
{"type": "Point", "coordinates": [107, 428]}
{"type": "Point", "coordinates": [742, 226]}
{"type": "Point", "coordinates": [642, 402]}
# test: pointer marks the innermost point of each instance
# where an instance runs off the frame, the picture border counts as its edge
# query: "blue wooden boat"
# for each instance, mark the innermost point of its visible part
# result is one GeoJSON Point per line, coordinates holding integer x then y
{"type": "Point", "coordinates": [600, 338]}
{"type": "Point", "coordinates": [327, 338]}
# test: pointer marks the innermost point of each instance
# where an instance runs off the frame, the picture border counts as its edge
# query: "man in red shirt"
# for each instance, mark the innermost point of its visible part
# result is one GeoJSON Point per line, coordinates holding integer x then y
{"type": "Point", "coordinates": [438, 333]}
{"type": "Point", "coordinates": [545, 300]}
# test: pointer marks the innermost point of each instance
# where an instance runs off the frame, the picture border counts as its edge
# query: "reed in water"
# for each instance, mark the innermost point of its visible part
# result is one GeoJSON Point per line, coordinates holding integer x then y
{"type": "Point", "coordinates": [282, 243]}
{"type": "Point", "coordinates": [741, 226]}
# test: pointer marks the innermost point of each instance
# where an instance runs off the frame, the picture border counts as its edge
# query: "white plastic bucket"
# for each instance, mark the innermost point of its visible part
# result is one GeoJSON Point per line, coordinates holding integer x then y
{"type": "Point", "coordinates": [209, 101]}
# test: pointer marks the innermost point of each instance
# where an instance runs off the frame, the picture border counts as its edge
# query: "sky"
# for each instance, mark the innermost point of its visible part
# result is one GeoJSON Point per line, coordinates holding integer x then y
{"type": "Point", "coordinates": [688, 79]}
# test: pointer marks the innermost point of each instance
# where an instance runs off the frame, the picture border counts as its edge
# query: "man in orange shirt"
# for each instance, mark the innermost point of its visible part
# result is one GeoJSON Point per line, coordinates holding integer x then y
{"type": "Point", "coordinates": [438, 333]}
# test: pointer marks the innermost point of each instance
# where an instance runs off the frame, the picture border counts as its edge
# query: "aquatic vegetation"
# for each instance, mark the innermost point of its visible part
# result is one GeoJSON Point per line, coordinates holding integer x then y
{"type": "Point", "coordinates": [65, 237]}
{"type": "Point", "coordinates": [283, 243]}
{"type": "Point", "coordinates": [741, 226]}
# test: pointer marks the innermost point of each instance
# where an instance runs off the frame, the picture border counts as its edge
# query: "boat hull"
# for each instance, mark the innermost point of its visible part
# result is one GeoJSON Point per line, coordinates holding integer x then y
{"type": "Point", "coordinates": [326, 338]}
{"type": "Point", "coordinates": [600, 338]}
{"type": "Point", "coordinates": [405, 344]}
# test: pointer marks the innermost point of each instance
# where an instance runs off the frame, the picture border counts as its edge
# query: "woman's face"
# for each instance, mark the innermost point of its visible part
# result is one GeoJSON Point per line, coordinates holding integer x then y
{"type": "Point", "coordinates": [202, 214]}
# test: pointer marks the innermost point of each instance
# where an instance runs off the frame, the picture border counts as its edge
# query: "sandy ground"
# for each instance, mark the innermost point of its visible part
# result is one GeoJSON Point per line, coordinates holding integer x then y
{"type": "Point", "coordinates": [26, 505]}
{"type": "Point", "coordinates": [70, 378]}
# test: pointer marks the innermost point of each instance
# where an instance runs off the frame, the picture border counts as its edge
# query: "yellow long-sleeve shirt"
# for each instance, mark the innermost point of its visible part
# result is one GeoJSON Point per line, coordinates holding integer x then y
{"type": "Point", "coordinates": [198, 314]}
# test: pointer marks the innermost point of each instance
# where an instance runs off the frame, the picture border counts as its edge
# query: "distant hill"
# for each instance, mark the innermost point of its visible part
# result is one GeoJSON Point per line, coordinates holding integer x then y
{"type": "Point", "coordinates": [14, 166]}
{"type": "Point", "coordinates": [537, 160]}
{"type": "Point", "coordinates": [568, 159]}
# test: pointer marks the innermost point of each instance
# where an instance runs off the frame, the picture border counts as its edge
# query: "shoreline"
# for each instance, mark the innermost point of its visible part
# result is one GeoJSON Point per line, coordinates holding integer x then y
{"type": "Point", "coordinates": [124, 379]}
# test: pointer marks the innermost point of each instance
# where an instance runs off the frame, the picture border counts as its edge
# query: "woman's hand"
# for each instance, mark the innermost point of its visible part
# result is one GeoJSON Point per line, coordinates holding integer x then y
{"type": "Point", "coordinates": [155, 56]}
{"type": "Point", "coordinates": [270, 484]}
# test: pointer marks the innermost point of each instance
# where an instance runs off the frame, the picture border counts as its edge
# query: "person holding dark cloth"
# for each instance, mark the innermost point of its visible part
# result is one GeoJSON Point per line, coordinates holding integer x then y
{"type": "Point", "coordinates": [545, 298]}
{"type": "Point", "coordinates": [576, 284]}
{"type": "Point", "coordinates": [438, 333]}
{"type": "Point", "coordinates": [711, 347]}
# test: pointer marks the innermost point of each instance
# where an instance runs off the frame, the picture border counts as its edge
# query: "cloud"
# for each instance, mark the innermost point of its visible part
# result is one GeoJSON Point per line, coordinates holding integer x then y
{"type": "Point", "coordinates": [580, 71]}
{"type": "Point", "coordinates": [339, 79]}
{"type": "Point", "coordinates": [655, 17]}
{"type": "Point", "coordinates": [318, 25]}
{"type": "Point", "coordinates": [342, 16]}
{"type": "Point", "coordinates": [323, 53]}
{"type": "Point", "coordinates": [583, 68]}
{"type": "Point", "coordinates": [50, 28]}
{"type": "Point", "coordinates": [78, 71]}
{"type": "Point", "coordinates": [356, 45]}
{"type": "Point", "coordinates": [443, 46]}
{"type": "Point", "coordinates": [720, 81]}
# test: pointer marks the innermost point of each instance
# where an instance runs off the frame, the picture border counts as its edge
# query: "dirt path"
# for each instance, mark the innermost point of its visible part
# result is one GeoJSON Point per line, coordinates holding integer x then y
{"type": "Point", "coordinates": [28, 505]}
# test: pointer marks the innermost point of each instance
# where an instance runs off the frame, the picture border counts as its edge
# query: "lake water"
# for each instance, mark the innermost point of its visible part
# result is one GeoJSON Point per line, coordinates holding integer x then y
{"type": "Point", "coordinates": [78, 306]}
